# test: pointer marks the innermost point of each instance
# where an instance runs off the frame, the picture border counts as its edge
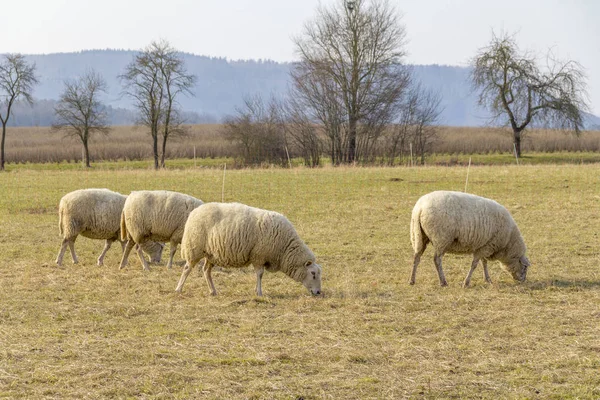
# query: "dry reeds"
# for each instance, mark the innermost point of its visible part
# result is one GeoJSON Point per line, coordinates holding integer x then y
{"type": "Point", "coordinates": [40, 145]}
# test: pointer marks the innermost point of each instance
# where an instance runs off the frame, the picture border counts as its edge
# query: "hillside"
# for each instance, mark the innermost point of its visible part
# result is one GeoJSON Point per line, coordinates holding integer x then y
{"type": "Point", "coordinates": [221, 86]}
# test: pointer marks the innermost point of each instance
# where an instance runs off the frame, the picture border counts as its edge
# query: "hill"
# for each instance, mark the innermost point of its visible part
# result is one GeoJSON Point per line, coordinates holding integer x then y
{"type": "Point", "coordinates": [221, 86]}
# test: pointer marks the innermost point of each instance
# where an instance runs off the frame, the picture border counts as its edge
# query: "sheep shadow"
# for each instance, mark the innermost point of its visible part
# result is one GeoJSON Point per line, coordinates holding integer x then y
{"type": "Point", "coordinates": [582, 284]}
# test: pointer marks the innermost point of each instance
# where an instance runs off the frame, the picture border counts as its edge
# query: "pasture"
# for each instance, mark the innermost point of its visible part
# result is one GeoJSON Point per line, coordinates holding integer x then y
{"type": "Point", "coordinates": [82, 331]}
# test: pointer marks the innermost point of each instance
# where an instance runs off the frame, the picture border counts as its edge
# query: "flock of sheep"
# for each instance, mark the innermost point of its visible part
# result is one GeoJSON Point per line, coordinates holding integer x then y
{"type": "Point", "coordinates": [230, 235]}
{"type": "Point", "coordinates": [233, 235]}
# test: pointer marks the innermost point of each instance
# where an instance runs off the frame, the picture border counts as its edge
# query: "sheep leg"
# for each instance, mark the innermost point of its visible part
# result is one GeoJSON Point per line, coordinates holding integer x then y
{"type": "Point", "coordinates": [473, 266]}
{"type": "Point", "coordinates": [72, 248]}
{"type": "Point", "coordinates": [128, 247]}
{"type": "Point", "coordinates": [140, 254]}
{"type": "Point", "coordinates": [416, 261]}
{"type": "Point", "coordinates": [173, 250]}
{"type": "Point", "coordinates": [106, 247]}
{"type": "Point", "coordinates": [259, 273]}
{"type": "Point", "coordinates": [61, 253]}
{"type": "Point", "coordinates": [437, 259]}
{"type": "Point", "coordinates": [186, 271]}
{"type": "Point", "coordinates": [207, 268]}
{"type": "Point", "coordinates": [486, 274]}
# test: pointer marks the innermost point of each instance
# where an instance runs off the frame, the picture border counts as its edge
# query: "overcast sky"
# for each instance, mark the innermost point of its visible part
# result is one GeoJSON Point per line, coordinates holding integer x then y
{"type": "Point", "coordinates": [441, 32]}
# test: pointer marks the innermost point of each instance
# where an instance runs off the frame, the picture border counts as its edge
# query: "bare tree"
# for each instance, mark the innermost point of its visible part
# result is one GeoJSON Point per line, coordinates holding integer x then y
{"type": "Point", "coordinates": [315, 94]}
{"type": "Point", "coordinates": [17, 79]}
{"type": "Point", "coordinates": [304, 134]}
{"type": "Point", "coordinates": [355, 48]}
{"type": "Point", "coordinates": [416, 124]}
{"type": "Point", "coordinates": [176, 81]}
{"type": "Point", "coordinates": [514, 89]}
{"type": "Point", "coordinates": [425, 119]}
{"type": "Point", "coordinates": [154, 79]}
{"type": "Point", "coordinates": [258, 129]}
{"type": "Point", "coordinates": [79, 111]}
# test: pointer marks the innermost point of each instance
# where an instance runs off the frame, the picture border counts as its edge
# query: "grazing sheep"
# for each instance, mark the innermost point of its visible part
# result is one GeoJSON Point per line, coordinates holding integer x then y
{"type": "Point", "coordinates": [235, 235]}
{"type": "Point", "coordinates": [158, 215]}
{"type": "Point", "coordinates": [95, 214]}
{"type": "Point", "coordinates": [461, 223]}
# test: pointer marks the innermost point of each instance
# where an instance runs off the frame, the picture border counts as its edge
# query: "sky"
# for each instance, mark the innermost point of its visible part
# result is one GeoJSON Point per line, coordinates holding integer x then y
{"type": "Point", "coordinates": [438, 31]}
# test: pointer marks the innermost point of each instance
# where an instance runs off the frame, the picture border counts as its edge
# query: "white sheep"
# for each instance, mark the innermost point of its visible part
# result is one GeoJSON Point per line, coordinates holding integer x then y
{"type": "Point", "coordinates": [234, 235]}
{"type": "Point", "coordinates": [461, 223]}
{"type": "Point", "coordinates": [95, 214]}
{"type": "Point", "coordinates": [157, 215]}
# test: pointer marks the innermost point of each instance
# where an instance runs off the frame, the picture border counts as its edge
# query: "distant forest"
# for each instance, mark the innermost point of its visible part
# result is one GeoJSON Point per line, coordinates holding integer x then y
{"type": "Point", "coordinates": [221, 87]}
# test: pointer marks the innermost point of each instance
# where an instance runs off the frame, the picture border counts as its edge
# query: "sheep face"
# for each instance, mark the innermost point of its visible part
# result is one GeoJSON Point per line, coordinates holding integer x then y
{"type": "Point", "coordinates": [312, 280]}
{"type": "Point", "coordinates": [155, 251]}
{"type": "Point", "coordinates": [518, 268]}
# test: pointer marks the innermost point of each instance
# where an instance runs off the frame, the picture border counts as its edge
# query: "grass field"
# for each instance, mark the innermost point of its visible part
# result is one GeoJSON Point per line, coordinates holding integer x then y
{"type": "Point", "coordinates": [82, 331]}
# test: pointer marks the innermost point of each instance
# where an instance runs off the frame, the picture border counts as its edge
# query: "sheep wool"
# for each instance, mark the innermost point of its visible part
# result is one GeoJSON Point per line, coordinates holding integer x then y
{"type": "Point", "coordinates": [158, 215]}
{"type": "Point", "coordinates": [234, 235]}
{"type": "Point", "coordinates": [95, 214]}
{"type": "Point", "coordinates": [462, 223]}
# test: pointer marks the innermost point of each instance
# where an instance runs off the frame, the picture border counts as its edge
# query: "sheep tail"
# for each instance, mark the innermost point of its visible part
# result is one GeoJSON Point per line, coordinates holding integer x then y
{"type": "Point", "coordinates": [417, 236]}
{"type": "Point", "coordinates": [123, 228]}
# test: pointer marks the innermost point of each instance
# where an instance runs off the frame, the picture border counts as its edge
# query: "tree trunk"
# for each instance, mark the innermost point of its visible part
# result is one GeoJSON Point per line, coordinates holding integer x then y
{"type": "Point", "coordinates": [352, 140]}
{"type": "Point", "coordinates": [87, 154]}
{"type": "Point", "coordinates": [2, 146]}
{"type": "Point", "coordinates": [517, 142]}
{"type": "Point", "coordinates": [155, 150]}
{"type": "Point", "coordinates": [164, 150]}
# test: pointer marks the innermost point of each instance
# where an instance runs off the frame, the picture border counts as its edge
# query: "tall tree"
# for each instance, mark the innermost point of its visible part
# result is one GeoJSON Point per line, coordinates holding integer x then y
{"type": "Point", "coordinates": [358, 46]}
{"type": "Point", "coordinates": [518, 92]}
{"type": "Point", "coordinates": [154, 79]}
{"type": "Point", "coordinates": [17, 79]}
{"type": "Point", "coordinates": [79, 111]}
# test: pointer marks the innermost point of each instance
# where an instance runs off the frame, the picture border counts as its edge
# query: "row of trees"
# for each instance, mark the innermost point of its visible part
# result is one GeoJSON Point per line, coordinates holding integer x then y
{"type": "Point", "coordinates": [351, 94]}
{"type": "Point", "coordinates": [154, 80]}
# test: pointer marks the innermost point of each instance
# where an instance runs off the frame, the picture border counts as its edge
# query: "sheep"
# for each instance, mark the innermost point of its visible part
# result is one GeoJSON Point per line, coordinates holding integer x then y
{"type": "Point", "coordinates": [235, 235]}
{"type": "Point", "coordinates": [155, 215]}
{"type": "Point", "coordinates": [461, 223]}
{"type": "Point", "coordinates": [95, 214]}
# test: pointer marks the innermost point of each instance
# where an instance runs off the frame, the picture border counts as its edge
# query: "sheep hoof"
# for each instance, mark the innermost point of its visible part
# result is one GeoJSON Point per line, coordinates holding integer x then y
{"type": "Point", "coordinates": [411, 282]}
{"type": "Point", "coordinates": [444, 283]}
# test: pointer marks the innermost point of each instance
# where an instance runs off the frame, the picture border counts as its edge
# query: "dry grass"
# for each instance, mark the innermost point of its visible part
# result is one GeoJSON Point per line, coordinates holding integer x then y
{"type": "Point", "coordinates": [83, 331]}
{"type": "Point", "coordinates": [40, 145]}
{"type": "Point", "coordinates": [499, 140]}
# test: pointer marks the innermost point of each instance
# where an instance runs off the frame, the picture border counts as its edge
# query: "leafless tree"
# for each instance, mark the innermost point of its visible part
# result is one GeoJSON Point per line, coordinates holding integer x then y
{"type": "Point", "coordinates": [258, 129]}
{"type": "Point", "coordinates": [425, 120]}
{"type": "Point", "coordinates": [17, 79]}
{"type": "Point", "coordinates": [518, 92]}
{"type": "Point", "coordinates": [315, 95]}
{"type": "Point", "coordinates": [303, 133]}
{"type": "Point", "coordinates": [416, 124]}
{"type": "Point", "coordinates": [79, 111]}
{"type": "Point", "coordinates": [154, 79]}
{"type": "Point", "coordinates": [354, 50]}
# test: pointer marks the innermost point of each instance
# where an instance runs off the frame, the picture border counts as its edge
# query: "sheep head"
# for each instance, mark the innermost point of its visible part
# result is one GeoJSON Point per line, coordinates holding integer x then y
{"type": "Point", "coordinates": [518, 268]}
{"type": "Point", "coordinates": [312, 278]}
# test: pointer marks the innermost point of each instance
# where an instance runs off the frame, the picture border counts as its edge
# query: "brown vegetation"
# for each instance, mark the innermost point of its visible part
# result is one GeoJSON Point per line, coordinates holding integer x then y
{"type": "Point", "coordinates": [39, 144]}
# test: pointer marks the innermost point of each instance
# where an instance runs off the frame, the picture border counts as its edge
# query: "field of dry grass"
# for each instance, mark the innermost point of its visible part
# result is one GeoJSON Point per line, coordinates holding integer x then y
{"type": "Point", "coordinates": [82, 331]}
{"type": "Point", "coordinates": [41, 145]}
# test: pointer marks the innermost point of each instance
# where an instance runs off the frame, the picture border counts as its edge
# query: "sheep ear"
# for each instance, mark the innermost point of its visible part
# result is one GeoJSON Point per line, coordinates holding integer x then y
{"type": "Point", "coordinates": [525, 261]}
{"type": "Point", "coordinates": [308, 264]}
